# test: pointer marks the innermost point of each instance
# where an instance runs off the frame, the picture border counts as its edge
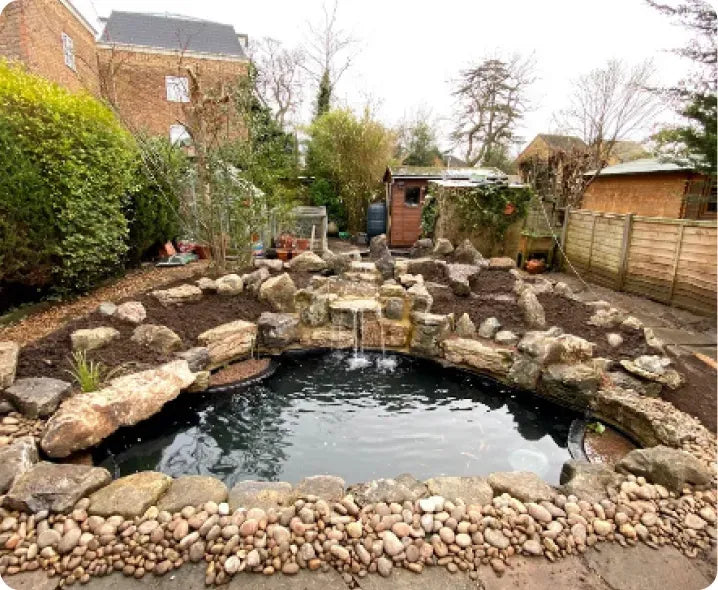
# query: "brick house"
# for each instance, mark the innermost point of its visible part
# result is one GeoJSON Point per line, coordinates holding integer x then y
{"type": "Point", "coordinates": [139, 64]}
{"type": "Point", "coordinates": [652, 188]}
{"type": "Point", "coordinates": [144, 61]}
{"type": "Point", "coordinates": [53, 40]}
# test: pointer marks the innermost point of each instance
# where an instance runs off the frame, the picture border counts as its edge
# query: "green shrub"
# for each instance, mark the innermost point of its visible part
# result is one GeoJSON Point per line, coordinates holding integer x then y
{"type": "Point", "coordinates": [153, 209]}
{"type": "Point", "coordinates": [67, 169]}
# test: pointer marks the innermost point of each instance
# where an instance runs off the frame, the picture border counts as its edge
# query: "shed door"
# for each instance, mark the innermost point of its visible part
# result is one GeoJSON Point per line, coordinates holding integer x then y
{"type": "Point", "coordinates": [406, 203]}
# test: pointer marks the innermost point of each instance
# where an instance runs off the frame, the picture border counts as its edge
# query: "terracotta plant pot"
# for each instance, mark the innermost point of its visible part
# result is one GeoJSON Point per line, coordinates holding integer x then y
{"type": "Point", "coordinates": [535, 266]}
{"type": "Point", "coordinates": [283, 254]}
{"type": "Point", "coordinates": [302, 244]}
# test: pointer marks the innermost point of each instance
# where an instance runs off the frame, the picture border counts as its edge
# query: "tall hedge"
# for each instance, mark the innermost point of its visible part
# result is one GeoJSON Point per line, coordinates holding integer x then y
{"type": "Point", "coordinates": [67, 169]}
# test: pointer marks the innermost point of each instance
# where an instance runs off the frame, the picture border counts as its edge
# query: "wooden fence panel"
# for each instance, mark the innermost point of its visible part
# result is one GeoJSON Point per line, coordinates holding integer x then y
{"type": "Point", "coordinates": [669, 260]}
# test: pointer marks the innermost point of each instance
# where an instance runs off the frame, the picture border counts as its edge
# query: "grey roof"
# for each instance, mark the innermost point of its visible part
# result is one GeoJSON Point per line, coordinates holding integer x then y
{"type": "Point", "coordinates": [641, 167]}
{"type": "Point", "coordinates": [439, 173]}
{"type": "Point", "coordinates": [173, 32]}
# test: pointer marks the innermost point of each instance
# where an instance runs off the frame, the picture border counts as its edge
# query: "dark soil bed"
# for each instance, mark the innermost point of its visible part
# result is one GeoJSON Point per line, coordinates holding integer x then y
{"type": "Point", "coordinates": [698, 395]}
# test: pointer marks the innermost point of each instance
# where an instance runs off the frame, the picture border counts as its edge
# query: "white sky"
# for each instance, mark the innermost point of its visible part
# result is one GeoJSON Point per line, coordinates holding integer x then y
{"type": "Point", "coordinates": [409, 50]}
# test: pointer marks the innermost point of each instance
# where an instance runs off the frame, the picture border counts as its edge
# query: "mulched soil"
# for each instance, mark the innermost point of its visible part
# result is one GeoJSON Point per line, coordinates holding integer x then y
{"type": "Point", "coordinates": [698, 396]}
{"type": "Point", "coordinates": [492, 296]}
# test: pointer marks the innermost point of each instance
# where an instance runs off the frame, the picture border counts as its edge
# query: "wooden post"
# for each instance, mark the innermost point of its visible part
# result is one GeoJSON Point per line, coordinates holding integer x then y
{"type": "Point", "coordinates": [590, 247]}
{"type": "Point", "coordinates": [625, 248]}
{"type": "Point", "coordinates": [564, 233]}
{"type": "Point", "coordinates": [676, 258]}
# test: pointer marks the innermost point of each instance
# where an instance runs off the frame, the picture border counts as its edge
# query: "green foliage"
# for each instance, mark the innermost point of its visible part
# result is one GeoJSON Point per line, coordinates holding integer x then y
{"type": "Point", "coordinates": [429, 212]}
{"type": "Point", "coordinates": [351, 154]}
{"type": "Point", "coordinates": [492, 207]}
{"type": "Point", "coordinates": [324, 95]}
{"type": "Point", "coordinates": [88, 374]}
{"type": "Point", "coordinates": [417, 145]}
{"type": "Point", "coordinates": [152, 211]}
{"type": "Point", "coordinates": [68, 167]}
{"type": "Point", "coordinates": [596, 427]}
{"type": "Point", "coordinates": [323, 193]}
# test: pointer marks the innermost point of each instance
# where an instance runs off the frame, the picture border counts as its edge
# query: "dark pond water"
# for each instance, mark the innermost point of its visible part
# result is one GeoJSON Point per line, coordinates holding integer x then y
{"type": "Point", "coordinates": [317, 415]}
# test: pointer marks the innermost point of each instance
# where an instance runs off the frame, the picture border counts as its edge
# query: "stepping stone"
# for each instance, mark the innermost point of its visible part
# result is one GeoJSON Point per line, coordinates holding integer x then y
{"type": "Point", "coordinates": [37, 397]}
{"type": "Point", "coordinates": [54, 486]}
{"type": "Point", "coordinates": [130, 496]}
{"type": "Point", "coordinates": [326, 487]}
{"type": "Point", "coordinates": [260, 494]}
{"type": "Point", "coordinates": [192, 490]}
{"type": "Point", "coordinates": [472, 490]}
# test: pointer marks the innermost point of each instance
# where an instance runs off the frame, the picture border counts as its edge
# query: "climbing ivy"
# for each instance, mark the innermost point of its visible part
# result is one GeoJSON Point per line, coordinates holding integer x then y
{"type": "Point", "coordinates": [429, 213]}
{"type": "Point", "coordinates": [490, 207]}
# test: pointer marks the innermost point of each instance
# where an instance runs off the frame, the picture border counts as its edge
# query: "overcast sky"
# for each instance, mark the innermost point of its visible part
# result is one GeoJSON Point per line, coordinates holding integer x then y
{"type": "Point", "coordinates": [409, 50]}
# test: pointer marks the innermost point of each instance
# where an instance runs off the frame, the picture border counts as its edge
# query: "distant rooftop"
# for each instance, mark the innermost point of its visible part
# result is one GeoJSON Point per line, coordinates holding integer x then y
{"type": "Point", "coordinates": [172, 32]}
{"type": "Point", "coordinates": [562, 142]}
{"type": "Point", "coordinates": [642, 166]}
{"type": "Point", "coordinates": [439, 173]}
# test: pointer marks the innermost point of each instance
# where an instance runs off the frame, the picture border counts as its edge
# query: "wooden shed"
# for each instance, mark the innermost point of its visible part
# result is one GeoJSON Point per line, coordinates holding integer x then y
{"type": "Point", "coordinates": [406, 188]}
{"type": "Point", "coordinates": [652, 188]}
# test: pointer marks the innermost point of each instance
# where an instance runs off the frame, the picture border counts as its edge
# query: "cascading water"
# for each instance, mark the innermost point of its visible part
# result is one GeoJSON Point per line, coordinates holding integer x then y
{"type": "Point", "coordinates": [358, 360]}
{"type": "Point", "coordinates": [384, 363]}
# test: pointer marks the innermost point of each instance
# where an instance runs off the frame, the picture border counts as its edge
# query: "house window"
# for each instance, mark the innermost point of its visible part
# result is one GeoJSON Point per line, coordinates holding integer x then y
{"type": "Point", "coordinates": [177, 89]}
{"type": "Point", "coordinates": [412, 196]}
{"type": "Point", "coordinates": [68, 50]}
{"type": "Point", "coordinates": [179, 135]}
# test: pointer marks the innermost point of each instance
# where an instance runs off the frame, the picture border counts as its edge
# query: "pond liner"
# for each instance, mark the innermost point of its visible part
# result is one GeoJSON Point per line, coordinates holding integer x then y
{"type": "Point", "coordinates": [576, 435]}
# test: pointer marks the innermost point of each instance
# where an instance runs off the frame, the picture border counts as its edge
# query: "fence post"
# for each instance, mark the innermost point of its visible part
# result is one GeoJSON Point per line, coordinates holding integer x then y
{"type": "Point", "coordinates": [564, 233]}
{"type": "Point", "coordinates": [625, 248]}
{"type": "Point", "coordinates": [676, 258]}
{"type": "Point", "coordinates": [590, 247]}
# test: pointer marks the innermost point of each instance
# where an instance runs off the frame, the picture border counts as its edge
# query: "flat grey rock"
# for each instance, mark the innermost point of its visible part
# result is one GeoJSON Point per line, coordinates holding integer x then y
{"type": "Point", "coordinates": [192, 490]}
{"type": "Point", "coordinates": [15, 459]}
{"type": "Point", "coordinates": [37, 397]}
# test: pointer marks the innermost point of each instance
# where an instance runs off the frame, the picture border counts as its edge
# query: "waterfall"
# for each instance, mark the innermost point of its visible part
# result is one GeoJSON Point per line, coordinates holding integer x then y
{"type": "Point", "coordinates": [388, 364]}
{"type": "Point", "coordinates": [358, 360]}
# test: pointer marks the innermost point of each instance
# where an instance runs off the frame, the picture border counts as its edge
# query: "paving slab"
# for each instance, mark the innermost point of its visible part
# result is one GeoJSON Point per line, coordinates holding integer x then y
{"type": "Point", "coordinates": [541, 574]}
{"type": "Point", "coordinates": [643, 568]}
{"type": "Point", "coordinates": [685, 337]}
{"type": "Point", "coordinates": [36, 580]}
{"type": "Point", "coordinates": [432, 578]}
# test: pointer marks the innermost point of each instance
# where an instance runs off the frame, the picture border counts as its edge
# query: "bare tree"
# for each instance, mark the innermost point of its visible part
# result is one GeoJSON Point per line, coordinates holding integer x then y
{"type": "Point", "coordinates": [491, 100]}
{"type": "Point", "coordinates": [609, 104]}
{"type": "Point", "coordinates": [279, 77]}
{"type": "Point", "coordinates": [328, 54]}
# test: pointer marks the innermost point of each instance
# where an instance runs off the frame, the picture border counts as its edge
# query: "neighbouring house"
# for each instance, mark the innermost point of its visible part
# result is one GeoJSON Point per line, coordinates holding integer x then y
{"type": "Point", "coordinates": [652, 188]}
{"type": "Point", "coordinates": [546, 144]}
{"type": "Point", "coordinates": [53, 40]}
{"type": "Point", "coordinates": [405, 191]}
{"type": "Point", "coordinates": [139, 64]}
{"type": "Point", "coordinates": [144, 61]}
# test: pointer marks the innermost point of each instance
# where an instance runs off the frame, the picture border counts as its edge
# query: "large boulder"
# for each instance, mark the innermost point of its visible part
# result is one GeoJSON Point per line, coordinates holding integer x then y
{"type": "Point", "coordinates": [672, 468]}
{"type": "Point", "coordinates": [178, 295]}
{"type": "Point", "coordinates": [472, 490]}
{"type": "Point", "coordinates": [429, 331]}
{"type": "Point", "coordinates": [493, 359]}
{"type": "Point", "coordinates": [93, 338]}
{"type": "Point", "coordinates": [329, 337]}
{"type": "Point", "coordinates": [273, 265]}
{"type": "Point", "coordinates": [459, 277]}
{"type": "Point", "coordinates": [378, 247]}
{"type": "Point", "coordinates": [430, 268]}
{"type": "Point", "coordinates": [403, 488]}
{"type": "Point", "coordinates": [229, 341]}
{"type": "Point", "coordinates": [84, 420]}
{"type": "Point", "coordinates": [229, 285]}
{"type": "Point", "coordinates": [420, 298]}
{"type": "Point", "coordinates": [159, 338]}
{"type": "Point", "coordinates": [9, 352]}
{"type": "Point", "coordinates": [192, 490]}
{"type": "Point", "coordinates": [326, 487]}
{"type": "Point", "coordinates": [37, 397]}
{"type": "Point", "coordinates": [197, 358]}
{"type": "Point", "coordinates": [253, 281]}
{"type": "Point", "coordinates": [54, 487]}
{"type": "Point", "coordinates": [422, 248]}
{"type": "Point", "coordinates": [350, 313]}
{"type": "Point", "coordinates": [443, 247]}
{"type": "Point", "coordinates": [277, 330]}
{"type": "Point", "coordinates": [465, 253]}
{"type": "Point", "coordinates": [279, 292]}
{"type": "Point", "coordinates": [525, 373]}
{"type": "Point", "coordinates": [385, 265]}
{"type": "Point", "coordinates": [259, 494]}
{"type": "Point", "coordinates": [533, 311]}
{"type": "Point", "coordinates": [522, 485]}
{"type": "Point", "coordinates": [131, 311]}
{"type": "Point", "coordinates": [314, 307]}
{"type": "Point", "coordinates": [16, 459]}
{"type": "Point", "coordinates": [588, 481]}
{"type": "Point", "coordinates": [308, 262]}
{"type": "Point", "coordinates": [572, 384]}
{"type": "Point", "coordinates": [129, 496]}
{"type": "Point", "coordinates": [465, 328]}
{"type": "Point", "coordinates": [502, 263]}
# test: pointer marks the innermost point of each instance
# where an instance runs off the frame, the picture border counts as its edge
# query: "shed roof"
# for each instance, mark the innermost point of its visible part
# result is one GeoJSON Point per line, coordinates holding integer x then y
{"type": "Point", "coordinates": [438, 172]}
{"type": "Point", "coordinates": [642, 166]}
{"type": "Point", "coordinates": [172, 32]}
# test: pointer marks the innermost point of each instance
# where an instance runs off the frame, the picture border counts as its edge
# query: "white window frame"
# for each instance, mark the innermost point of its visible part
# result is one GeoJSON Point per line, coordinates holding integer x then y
{"type": "Point", "coordinates": [68, 51]}
{"type": "Point", "coordinates": [179, 135]}
{"type": "Point", "coordinates": [177, 88]}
